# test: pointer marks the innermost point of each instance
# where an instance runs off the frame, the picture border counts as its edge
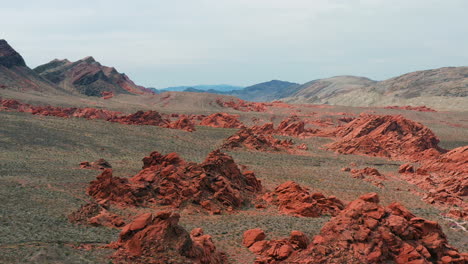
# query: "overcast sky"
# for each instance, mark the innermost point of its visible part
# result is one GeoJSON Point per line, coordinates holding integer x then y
{"type": "Point", "coordinates": [242, 42]}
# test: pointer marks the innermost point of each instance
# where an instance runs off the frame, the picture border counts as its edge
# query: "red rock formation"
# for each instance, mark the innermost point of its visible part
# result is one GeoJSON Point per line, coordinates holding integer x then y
{"type": "Point", "coordinates": [250, 140]}
{"type": "Point", "coordinates": [139, 118]}
{"type": "Point", "coordinates": [183, 123]}
{"type": "Point", "coordinates": [107, 188]}
{"type": "Point", "coordinates": [95, 215]}
{"type": "Point", "coordinates": [293, 127]}
{"type": "Point", "coordinates": [293, 199]}
{"type": "Point", "coordinates": [368, 174]}
{"type": "Point", "coordinates": [445, 179]}
{"type": "Point", "coordinates": [93, 113]}
{"type": "Point", "coordinates": [242, 105]}
{"type": "Point", "coordinates": [100, 164]}
{"type": "Point", "coordinates": [159, 239]}
{"type": "Point", "coordinates": [152, 118]}
{"type": "Point", "coordinates": [365, 232]}
{"type": "Point", "coordinates": [386, 136]}
{"type": "Point", "coordinates": [273, 251]}
{"type": "Point", "coordinates": [215, 184]}
{"type": "Point", "coordinates": [413, 108]}
{"type": "Point", "coordinates": [265, 129]}
{"type": "Point", "coordinates": [406, 168]}
{"type": "Point", "coordinates": [222, 120]}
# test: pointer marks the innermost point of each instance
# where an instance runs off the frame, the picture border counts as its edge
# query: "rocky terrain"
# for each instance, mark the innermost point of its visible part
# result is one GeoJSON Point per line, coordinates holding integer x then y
{"type": "Point", "coordinates": [120, 175]}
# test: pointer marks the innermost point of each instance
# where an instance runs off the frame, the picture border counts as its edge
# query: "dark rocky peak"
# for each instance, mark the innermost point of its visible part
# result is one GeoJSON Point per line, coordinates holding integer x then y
{"type": "Point", "coordinates": [9, 57]}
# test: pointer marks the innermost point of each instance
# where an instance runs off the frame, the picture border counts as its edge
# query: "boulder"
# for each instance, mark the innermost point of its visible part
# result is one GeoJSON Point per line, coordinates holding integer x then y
{"type": "Point", "coordinates": [158, 239]}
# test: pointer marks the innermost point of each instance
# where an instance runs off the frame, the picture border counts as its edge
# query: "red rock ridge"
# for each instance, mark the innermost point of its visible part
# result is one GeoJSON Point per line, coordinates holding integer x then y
{"type": "Point", "coordinates": [445, 179]}
{"type": "Point", "coordinates": [222, 120]}
{"type": "Point", "coordinates": [250, 140]}
{"type": "Point", "coordinates": [387, 136]}
{"type": "Point", "coordinates": [293, 199]}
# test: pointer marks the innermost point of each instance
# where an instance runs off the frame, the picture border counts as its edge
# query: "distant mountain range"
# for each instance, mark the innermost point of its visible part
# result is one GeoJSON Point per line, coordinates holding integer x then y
{"type": "Point", "coordinates": [213, 87]}
{"type": "Point", "coordinates": [443, 88]}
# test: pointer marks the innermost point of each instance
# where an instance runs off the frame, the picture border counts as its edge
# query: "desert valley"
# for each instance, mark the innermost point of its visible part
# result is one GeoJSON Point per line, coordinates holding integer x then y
{"type": "Point", "coordinates": [95, 168]}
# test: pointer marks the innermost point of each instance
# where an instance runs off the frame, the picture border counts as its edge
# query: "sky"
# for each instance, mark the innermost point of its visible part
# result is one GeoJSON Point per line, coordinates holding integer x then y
{"type": "Point", "coordinates": [241, 42]}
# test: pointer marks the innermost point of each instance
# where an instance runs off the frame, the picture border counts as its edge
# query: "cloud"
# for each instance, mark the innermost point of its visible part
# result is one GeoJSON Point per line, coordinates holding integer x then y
{"type": "Point", "coordinates": [162, 43]}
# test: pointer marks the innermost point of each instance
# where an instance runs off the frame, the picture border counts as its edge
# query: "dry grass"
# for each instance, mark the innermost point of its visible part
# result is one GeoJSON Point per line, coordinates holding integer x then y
{"type": "Point", "coordinates": [40, 183]}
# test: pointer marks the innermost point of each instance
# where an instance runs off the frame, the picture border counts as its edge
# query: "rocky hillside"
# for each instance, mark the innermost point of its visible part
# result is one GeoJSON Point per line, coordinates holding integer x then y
{"type": "Point", "coordinates": [17, 76]}
{"type": "Point", "coordinates": [89, 77]}
{"type": "Point", "coordinates": [443, 89]}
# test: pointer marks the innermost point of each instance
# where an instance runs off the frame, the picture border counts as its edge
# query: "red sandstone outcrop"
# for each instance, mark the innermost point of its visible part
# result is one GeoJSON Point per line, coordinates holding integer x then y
{"type": "Point", "coordinates": [292, 126]}
{"type": "Point", "coordinates": [95, 215]}
{"type": "Point", "coordinates": [152, 118]}
{"type": "Point", "coordinates": [388, 136]}
{"type": "Point", "coordinates": [293, 199]}
{"type": "Point", "coordinates": [159, 239]}
{"type": "Point", "coordinates": [250, 140]}
{"type": "Point", "coordinates": [216, 184]}
{"type": "Point", "coordinates": [406, 168]}
{"type": "Point", "coordinates": [445, 179]}
{"type": "Point", "coordinates": [413, 108]}
{"type": "Point", "coordinates": [366, 232]}
{"type": "Point", "coordinates": [368, 174]}
{"type": "Point", "coordinates": [265, 129]}
{"type": "Point", "coordinates": [183, 123]}
{"type": "Point", "coordinates": [242, 105]}
{"type": "Point", "coordinates": [107, 188]}
{"type": "Point", "coordinates": [139, 118]}
{"type": "Point", "coordinates": [99, 164]}
{"type": "Point", "coordinates": [222, 120]}
{"type": "Point", "coordinates": [273, 251]}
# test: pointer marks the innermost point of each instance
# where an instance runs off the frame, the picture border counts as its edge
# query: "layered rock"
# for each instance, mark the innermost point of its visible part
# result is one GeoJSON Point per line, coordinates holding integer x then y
{"type": "Point", "coordinates": [183, 123]}
{"type": "Point", "coordinates": [109, 189]}
{"type": "Point", "coordinates": [216, 184]}
{"type": "Point", "coordinates": [159, 239]}
{"type": "Point", "coordinates": [242, 105]}
{"type": "Point", "coordinates": [445, 179]}
{"type": "Point", "coordinates": [292, 126]}
{"type": "Point", "coordinates": [222, 120]}
{"type": "Point", "coordinates": [293, 199]}
{"type": "Point", "coordinates": [387, 136]}
{"type": "Point", "coordinates": [94, 214]}
{"type": "Point", "coordinates": [273, 251]}
{"type": "Point", "coordinates": [246, 138]}
{"type": "Point", "coordinates": [366, 232]}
